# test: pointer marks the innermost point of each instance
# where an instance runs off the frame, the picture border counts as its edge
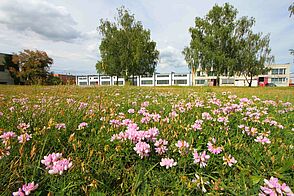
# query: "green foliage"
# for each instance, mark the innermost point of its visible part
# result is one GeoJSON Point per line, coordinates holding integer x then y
{"type": "Point", "coordinates": [33, 66]}
{"type": "Point", "coordinates": [213, 40]}
{"type": "Point", "coordinates": [126, 48]}
{"type": "Point", "coordinates": [227, 45]}
{"type": "Point", "coordinates": [253, 50]}
{"type": "Point", "coordinates": [291, 9]}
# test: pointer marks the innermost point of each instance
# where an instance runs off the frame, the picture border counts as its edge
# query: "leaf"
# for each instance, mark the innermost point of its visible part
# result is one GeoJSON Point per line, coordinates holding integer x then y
{"type": "Point", "coordinates": [255, 179]}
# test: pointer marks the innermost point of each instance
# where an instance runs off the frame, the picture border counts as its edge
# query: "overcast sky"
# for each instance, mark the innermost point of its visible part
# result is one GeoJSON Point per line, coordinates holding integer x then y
{"type": "Point", "coordinates": [67, 29]}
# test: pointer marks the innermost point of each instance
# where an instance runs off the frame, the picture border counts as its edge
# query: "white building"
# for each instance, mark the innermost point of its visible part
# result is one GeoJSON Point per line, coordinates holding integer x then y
{"type": "Point", "coordinates": [279, 75]}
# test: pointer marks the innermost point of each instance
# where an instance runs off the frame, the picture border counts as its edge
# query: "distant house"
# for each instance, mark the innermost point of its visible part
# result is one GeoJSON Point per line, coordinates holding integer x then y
{"type": "Point", "coordinates": [5, 77]}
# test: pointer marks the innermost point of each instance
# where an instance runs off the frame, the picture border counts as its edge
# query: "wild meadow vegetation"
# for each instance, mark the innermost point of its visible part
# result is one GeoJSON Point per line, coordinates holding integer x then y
{"type": "Point", "coordinates": [69, 140]}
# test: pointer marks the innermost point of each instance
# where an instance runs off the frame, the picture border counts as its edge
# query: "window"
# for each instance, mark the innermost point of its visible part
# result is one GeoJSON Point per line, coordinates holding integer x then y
{"type": "Point", "coordinates": [281, 71]}
{"type": "Point", "coordinates": [105, 83]}
{"type": "Point", "coordinates": [198, 73]}
{"type": "Point", "coordinates": [83, 83]}
{"type": "Point", "coordinates": [180, 75]}
{"type": "Point", "coordinates": [146, 82]}
{"type": "Point", "coordinates": [279, 80]}
{"type": "Point", "coordinates": [2, 68]}
{"type": "Point", "coordinates": [211, 73]}
{"type": "Point", "coordinates": [105, 77]}
{"type": "Point", "coordinates": [93, 83]}
{"type": "Point", "coordinates": [162, 81]}
{"type": "Point", "coordinates": [82, 78]}
{"type": "Point", "coordinates": [180, 82]}
{"type": "Point", "coordinates": [200, 81]}
{"type": "Point", "coordinates": [162, 76]}
{"type": "Point", "coordinates": [96, 78]}
{"type": "Point", "coordinates": [146, 76]}
{"type": "Point", "coordinates": [119, 82]}
{"type": "Point", "coordinates": [228, 81]}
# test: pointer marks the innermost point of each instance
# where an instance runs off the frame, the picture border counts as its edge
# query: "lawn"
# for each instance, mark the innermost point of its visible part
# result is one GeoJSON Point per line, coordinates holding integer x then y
{"type": "Point", "coordinates": [70, 140]}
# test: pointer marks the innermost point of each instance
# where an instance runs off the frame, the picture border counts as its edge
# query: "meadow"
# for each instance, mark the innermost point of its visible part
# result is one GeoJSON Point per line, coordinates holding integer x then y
{"type": "Point", "coordinates": [68, 140]}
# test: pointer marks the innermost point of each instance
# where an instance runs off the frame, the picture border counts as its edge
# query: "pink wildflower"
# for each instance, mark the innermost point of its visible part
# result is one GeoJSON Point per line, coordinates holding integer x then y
{"type": "Point", "coordinates": [60, 126]}
{"type": "Point", "coordinates": [197, 125]}
{"type": "Point", "coordinates": [229, 160]}
{"type": "Point", "coordinates": [183, 146]}
{"type": "Point", "coordinates": [82, 125]}
{"type": "Point", "coordinates": [7, 136]}
{"type": "Point", "coordinates": [206, 116]}
{"type": "Point", "coordinates": [26, 189]}
{"type": "Point", "coordinates": [161, 146]}
{"type": "Point", "coordinates": [143, 149]}
{"type": "Point", "coordinates": [273, 187]}
{"type": "Point", "coordinates": [262, 139]}
{"type": "Point", "coordinates": [201, 158]}
{"type": "Point", "coordinates": [56, 164]}
{"type": "Point", "coordinates": [131, 111]}
{"type": "Point", "coordinates": [24, 138]}
{"type": "Point", "coordinates": [212, 148]}
{"type": "Point", "coordinates": [23, 126]}
{"type": "Point", "coordinates": [166, 162]}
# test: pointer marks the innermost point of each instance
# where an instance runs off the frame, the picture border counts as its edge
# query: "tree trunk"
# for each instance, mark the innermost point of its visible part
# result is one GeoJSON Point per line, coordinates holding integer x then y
{"type": "Point", "coordinates": [116, 80]}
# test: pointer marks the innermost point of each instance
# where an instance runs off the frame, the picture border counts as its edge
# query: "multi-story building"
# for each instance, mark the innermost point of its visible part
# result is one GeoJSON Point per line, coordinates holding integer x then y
{"type": "Point", "coordinates": [5, 77]}
{"type": "Point", "coordinates": [279, 75]}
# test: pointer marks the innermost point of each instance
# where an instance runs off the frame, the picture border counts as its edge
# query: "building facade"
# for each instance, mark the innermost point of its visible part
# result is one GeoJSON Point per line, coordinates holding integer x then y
{"type": "Point", "coordinates": [5, 77]}
{"type": "Point", "coordinates": [279, 75]}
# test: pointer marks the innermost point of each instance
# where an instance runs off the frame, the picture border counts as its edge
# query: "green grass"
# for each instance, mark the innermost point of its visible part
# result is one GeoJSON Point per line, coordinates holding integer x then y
{"type": "Point", "coordinates": [105, 167]}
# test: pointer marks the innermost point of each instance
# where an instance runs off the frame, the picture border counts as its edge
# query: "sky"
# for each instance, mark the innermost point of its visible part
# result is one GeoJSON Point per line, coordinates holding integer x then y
{"type": "Point", "coordinates": [67, 29]}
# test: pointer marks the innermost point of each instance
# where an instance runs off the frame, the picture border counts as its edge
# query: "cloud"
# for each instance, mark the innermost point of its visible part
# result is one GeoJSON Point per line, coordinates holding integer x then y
{"type": "Point", "coordinates": [171, 59]}
{"type": "Point", "coordinates": [36, 17]}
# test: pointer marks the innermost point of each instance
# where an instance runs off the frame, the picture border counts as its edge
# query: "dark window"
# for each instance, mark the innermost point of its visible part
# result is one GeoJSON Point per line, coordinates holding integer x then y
{"type": "Point", "coordinates": [83, 83]}
{"type": "Point", "coordinates": [162, 76]}
{"type": "Point", "coordinates": [2, 68]}
{"type": "Point", "coordinates": [200, 81]}
{"type": "Point", "coordinates": [180, 82]}
{"type": "Point", "coordinates": [146, 82]}
{"type": "Point", "coordinates": [105, 83]}
{"type": "Point", "coordinates": [119, 82]}
{"type": "Point", "coordinates": [162, 81]}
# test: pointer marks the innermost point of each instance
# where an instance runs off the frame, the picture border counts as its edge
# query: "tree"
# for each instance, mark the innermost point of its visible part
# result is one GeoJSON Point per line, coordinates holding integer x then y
{"type": "Point", "coordinates": [212, 45]}
{"type": "Point", "coordinates": [227, 45]}
{"type": "Point", "coordinates": [33, 66]}
{"type": "Point", "coordinates": [253, 51]}
{"type": "Point", "coordinates": [291, 9]}
{"type": "Point", "coordinates": [126, 48]}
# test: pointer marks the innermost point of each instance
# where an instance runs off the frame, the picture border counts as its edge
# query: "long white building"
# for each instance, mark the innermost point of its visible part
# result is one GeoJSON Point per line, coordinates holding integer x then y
{"type": "Point", "coordinates": [279, 75]}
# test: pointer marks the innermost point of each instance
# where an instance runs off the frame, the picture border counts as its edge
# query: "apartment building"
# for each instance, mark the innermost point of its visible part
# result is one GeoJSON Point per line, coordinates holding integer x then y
{"type": "Point", "coordinates": [5, 77]}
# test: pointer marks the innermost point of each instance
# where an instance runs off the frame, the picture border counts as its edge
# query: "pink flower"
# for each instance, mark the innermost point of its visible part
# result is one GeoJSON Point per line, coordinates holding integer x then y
{"type": "Point", "coordinates": [161, 146]}
{"type": "Point", "coordinates": [229, 160]}
{"type": "Point", "coordinates": [26, 189]}
{"type": "Point", "coordinates": [131, 111]}
{"type": "Point", "coordinates": [166, 162]}
{"type": "Point", "coordinates": [18, 193]}
{"type": "Point", "coordinates": [60, 126]}
{"type": "Point", "coordinates": [206, 116]}
{"type": "Point", "coordinates": [7, 136]}
{"type": "Point", "coordinates": [23, 126]}
{"type": "Point", "coordinates": [142, 149]}
{"type": "Point", "coordinates": [197, 125]}
{"type": "Point", "coordinates": [145, 104]}
{"type": "Point", "coordinates": [82, 125]}
{"type": "Point", "coordinates": [201, 158]}
{"type": "Point", "coordinates": [183, 146]}
{"type": "Point", "coordinates": [24, 138]}
{"type": "Point", "coordinates": [262, 139]}
{"type": "Point", "coordinates": [273, 187]}
{"type": "Point", "coordinates": [30, 187]}
{"type": "Point", "coordinates": [212, 148]}
{"type": "Point", "coordinates": [56, 164]}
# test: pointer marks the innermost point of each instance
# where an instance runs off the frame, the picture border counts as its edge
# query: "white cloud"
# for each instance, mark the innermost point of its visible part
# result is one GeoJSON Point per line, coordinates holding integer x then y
{"type": "Point", "coordinates": [36, 17]}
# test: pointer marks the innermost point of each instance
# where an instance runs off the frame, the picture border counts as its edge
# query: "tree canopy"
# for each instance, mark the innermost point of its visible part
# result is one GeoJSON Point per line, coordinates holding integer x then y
{"type": "Point", "coordinates": [33, 66]}
{"type": "Point", "coordinates": [226, 45]}
{"type": "Point", "coordinates": [126, 47]}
